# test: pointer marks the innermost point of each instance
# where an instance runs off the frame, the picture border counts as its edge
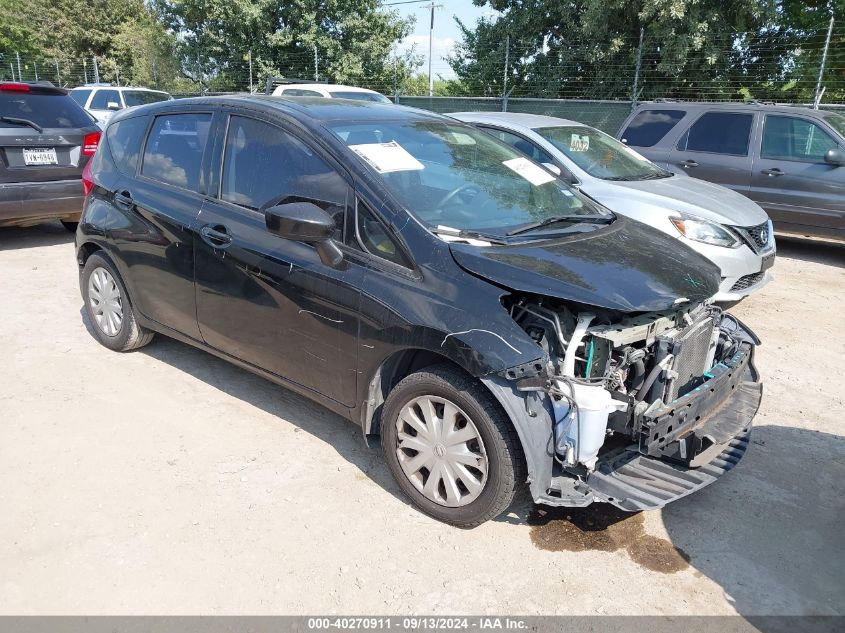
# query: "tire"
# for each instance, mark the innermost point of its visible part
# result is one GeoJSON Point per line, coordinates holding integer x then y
{"type": "Point", "coordinates": [123, 335]}
{"type": "Point", "coordinates": [70, 226]}
{"type": "Point", "coordinates": [475, 411]}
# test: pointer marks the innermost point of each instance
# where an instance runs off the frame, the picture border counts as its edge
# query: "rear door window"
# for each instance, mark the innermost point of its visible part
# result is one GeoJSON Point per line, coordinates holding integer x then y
{"type": "Point", "coordinates": [263, 165]}
{"type": "Point", "coordinates": [80, 96]}
{"type": "Point", "coordinates": [719, 133]}
{"type": "Point", "coordinates": [124, 142]}
{"type": "Point", "coordinates": [648, 127]}
{"type": "Point", "coordinates": [102, 98]}
{"type": "Point", "coordinates": [792, 138]}
{"type": "Point", "coordinates": [45, 110]}
{"type": "Point", "coordinates": [173, 153]}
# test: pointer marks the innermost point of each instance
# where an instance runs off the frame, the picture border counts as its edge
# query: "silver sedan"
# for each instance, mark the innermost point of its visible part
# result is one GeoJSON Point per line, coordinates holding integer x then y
{"type": "Point", "coordinates": [724, 226]}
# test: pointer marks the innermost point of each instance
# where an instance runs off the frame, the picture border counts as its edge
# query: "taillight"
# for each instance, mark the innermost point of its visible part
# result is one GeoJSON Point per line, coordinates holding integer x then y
{"type": "Point", "coordinates": [13, 86]}
{"type": "Point", "coordinates": [90, 142]}
{"type": "Point", "coordinates": [87, 180]}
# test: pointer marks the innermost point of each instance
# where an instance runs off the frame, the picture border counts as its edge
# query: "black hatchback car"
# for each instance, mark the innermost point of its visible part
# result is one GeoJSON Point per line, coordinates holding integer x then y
{"type": "Point", "coordinates": [46, 140]}
{"type": "Point", "coordinates": [429, 283]}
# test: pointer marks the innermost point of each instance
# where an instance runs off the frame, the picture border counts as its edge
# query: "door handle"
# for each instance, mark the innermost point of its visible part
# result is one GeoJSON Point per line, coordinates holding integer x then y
{"type": "Point", "coordinates": [123, 199]}
{"type": "Point", "coordinates": [774, 171]}
{"type": "Point", "coordinates": [686, 164]}
{"type": "Point", "coordinates": [216, 236]}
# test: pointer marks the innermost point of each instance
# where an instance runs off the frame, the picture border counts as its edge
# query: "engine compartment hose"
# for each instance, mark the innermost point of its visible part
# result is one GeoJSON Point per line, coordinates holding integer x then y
{"type": "Point", "coordinates": [638, 377]}
{"type": "Point", "coordinates": [652, 376]}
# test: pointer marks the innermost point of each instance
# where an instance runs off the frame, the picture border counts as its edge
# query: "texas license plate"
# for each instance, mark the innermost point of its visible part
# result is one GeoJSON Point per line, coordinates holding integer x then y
{"type": "Point", "coordinates": [40, 156]}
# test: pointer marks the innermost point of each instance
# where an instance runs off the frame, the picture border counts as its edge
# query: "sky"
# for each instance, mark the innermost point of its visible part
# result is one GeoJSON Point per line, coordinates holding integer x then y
{"type": "Point", "coordinates": [446, 32]}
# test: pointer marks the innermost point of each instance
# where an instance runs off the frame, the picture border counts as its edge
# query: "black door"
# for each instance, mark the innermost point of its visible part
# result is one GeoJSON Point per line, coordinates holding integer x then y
{"type": "Point", "coordinates": [269, 301]}
{"type": "Point", "coordinates": [164, 202]}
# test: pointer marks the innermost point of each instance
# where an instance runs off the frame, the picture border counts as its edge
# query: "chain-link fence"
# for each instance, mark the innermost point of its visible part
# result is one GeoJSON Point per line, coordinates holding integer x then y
{"type": "Point", "coordinates": [593, 82]}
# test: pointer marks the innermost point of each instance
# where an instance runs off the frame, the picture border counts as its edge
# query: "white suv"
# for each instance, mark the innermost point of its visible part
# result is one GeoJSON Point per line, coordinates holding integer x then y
{"type": "Point", "coordinates": [330, 91]}
{"type": "Point", "coordinates": [103, 100]}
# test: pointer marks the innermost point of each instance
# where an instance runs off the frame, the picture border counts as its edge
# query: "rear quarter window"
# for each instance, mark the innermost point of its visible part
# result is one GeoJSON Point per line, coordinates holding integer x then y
{"type": "Point", "coordinates": [47, 111]}
{"type": "Point", "coordinates": [649, 127]}
{"type": "Point", "coordinates": [124, 142]}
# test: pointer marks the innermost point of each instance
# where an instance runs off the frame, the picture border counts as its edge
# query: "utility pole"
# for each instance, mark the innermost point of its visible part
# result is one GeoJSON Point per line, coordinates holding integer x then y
{"type": "Point", "coordinates": [96, 71]}
{"type": "Point", "coordinates": [431, 7]}
{"type": "Point", "coordinates": [818, 96]}
{"type": "Point", "coordinates": [634, 94]}
{"type": "Point", "coordinates": [316, 65]}
{"type": "Point", "coordinates": [85, 68]}
{"type": "Point", "coordinates": [20, 77]}
{"type": "Point", "coordinates": [117, 73]}
{"type": "Point", "coordinates": [35, 65]}
{"type": "Point", "coordinates": [58, 73]}
{"type": "Point", "coordinates": [505, 75]}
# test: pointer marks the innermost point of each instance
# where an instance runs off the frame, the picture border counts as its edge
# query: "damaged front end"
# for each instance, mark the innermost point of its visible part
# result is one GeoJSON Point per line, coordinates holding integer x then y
{"type": "Point", "coordinates": [643, 408]}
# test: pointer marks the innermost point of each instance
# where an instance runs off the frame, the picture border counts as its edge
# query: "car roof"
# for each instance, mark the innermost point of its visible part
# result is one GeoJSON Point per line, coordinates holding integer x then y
{"type": "Point", "coordinates": [110, 87]}
{"type": "Point", "coordinates": [523, 119]}
{"type": "Point", "coordinates": [305, 109]}
{"type": "Point", "coordinates": [325, 87]}
{"type": "Point", "coordinates": [725, 105]}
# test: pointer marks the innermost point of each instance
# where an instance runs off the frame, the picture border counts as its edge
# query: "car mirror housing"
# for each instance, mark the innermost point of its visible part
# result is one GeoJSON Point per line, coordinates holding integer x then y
{"type": "Point", "coordinates": [835, 157]}
{"type": "Point", "coordinates": [305, 222]}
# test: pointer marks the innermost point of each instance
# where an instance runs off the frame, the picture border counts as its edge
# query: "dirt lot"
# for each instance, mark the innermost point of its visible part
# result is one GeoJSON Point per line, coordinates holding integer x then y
{"type": "Point", "coordinates": [167, 481]}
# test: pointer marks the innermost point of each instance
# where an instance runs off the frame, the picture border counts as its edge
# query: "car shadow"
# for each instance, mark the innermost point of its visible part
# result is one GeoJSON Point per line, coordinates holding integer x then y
{"type": "Point", "coordinates": [345, 437]}
{"type": "Point", "coordinates": [49, 234]}
{"type": "Point", "coordinates": [768, 533]}
{"type": "Point", "coordinates": [811, 250]}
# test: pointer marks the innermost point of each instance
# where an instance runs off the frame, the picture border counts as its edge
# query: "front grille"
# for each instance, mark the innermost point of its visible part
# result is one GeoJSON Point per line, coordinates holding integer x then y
{"type": "Point", "coordinates": [747, 281]}
{"type": "Point", "coordinates": [691, 349]}
{"type": "Point", "coordinates": [757, 237]}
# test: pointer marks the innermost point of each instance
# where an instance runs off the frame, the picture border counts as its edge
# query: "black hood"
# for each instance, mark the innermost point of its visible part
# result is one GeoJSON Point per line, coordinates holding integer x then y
{"type": "Point", "coordinates": [625, 266]}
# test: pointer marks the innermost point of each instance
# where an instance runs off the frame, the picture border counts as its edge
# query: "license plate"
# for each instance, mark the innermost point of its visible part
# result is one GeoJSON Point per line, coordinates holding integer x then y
{"type": "Point", "coordinates": [768, 262]}
{"type": "Point", "coordinates": [40, 156]}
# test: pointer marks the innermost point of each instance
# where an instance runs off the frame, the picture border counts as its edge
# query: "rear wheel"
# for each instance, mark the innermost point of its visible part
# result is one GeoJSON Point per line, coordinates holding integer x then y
{"type": "Point", "coordinates": [70, 226]}
{"type": "Point", "coordinates": [109, 309]}
{"type": "Point", "coordinates": [450, 447]}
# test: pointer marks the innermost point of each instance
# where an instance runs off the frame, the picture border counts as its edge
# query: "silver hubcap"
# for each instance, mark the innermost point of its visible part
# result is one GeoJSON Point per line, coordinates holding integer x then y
{"type": "Point", "coordinates": [441, 452]}
{"type": "Point", "coordinates": [106, 304]}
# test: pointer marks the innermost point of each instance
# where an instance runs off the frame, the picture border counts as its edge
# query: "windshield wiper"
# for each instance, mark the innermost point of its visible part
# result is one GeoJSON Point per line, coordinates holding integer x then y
{"type": "Point", "coordinates": [574, 219]}
{"type": "Point", "coordinates": [477, 235]}
{"type": "Point", "coordinates": [14, 119]}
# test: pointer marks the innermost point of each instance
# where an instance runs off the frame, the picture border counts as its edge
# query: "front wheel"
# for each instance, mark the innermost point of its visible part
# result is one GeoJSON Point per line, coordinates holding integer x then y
{"type": "Point", "coordinates": [450, 447]}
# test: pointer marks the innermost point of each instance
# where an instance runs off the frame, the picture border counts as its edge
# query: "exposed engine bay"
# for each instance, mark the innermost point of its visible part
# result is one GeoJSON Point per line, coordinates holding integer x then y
{"type": "Point", "coordinates": [615, 379]}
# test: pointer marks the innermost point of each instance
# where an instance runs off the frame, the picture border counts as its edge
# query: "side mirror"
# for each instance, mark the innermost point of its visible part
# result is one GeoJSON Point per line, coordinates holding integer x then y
{"type": "Point", "coordinates": [552, 168]}
{"type": "Point", "coordinates": [305, 222]}
{"type": "Point", "coordinates": [834, 157]}
{"type": "Point", "coordinates": [113, 105]}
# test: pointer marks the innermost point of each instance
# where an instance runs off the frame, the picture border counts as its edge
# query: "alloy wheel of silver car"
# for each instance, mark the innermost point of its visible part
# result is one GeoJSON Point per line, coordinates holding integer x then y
{"type": "Point", "coordinates": [441, 452]}
{"type": "Point", "coordinates": [105, 300]}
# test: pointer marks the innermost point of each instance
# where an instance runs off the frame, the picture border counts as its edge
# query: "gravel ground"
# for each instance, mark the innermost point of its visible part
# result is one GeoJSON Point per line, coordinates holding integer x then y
{"type": "Point", "coordinates": [166, 481]}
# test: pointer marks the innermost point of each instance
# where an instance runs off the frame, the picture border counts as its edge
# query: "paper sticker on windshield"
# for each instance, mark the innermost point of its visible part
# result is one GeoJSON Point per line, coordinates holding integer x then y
{"type": "Point", "coordinates": [387, 157]}
{"type": "Point", "coordinates": [579, 143]}
{"type": "Point", "coordinates": [534, 174]}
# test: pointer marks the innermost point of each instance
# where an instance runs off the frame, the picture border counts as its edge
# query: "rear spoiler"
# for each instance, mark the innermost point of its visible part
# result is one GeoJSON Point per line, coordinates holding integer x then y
{"type": "Point", "coordinates": [38, 88]}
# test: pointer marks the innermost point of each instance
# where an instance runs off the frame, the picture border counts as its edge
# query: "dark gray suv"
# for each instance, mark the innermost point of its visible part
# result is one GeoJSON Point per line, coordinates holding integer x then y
{"type": "Point", "coordinates": [46, 140]}
{"type": "Point", "coordinates": [789, 160]}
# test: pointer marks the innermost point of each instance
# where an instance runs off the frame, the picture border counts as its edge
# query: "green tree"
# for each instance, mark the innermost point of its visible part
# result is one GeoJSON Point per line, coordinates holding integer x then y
{"type": "Point", "coordinates": [588, 48]}
{"type": "Point", "coordinates": [352, 39]}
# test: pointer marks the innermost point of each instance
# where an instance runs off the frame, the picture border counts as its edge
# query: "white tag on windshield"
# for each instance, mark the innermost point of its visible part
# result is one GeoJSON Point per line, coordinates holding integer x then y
{"type": "Point", "coordinates": [534, 174]}
{"type": "Point", "coordinates": [579, 143]}
{"type": "Point", "coordinates": [387, 157]}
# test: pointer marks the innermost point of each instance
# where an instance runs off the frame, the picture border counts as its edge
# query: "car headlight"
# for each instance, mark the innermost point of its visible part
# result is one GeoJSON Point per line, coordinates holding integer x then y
{"type": "Point", "coordinates": [701, 230]}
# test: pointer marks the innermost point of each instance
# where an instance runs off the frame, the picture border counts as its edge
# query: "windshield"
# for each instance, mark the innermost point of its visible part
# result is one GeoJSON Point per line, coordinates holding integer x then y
{"type": "Point", "coordinates": [141, 97]}
{"type": "Point", "coordinates": [361, 96]}
{"type": "Point", "coordinates": [600, 155]}
{"type": "Point", "coordinates": [452, 175]}
{"type": "Point", "coordinates": [837, 122]}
